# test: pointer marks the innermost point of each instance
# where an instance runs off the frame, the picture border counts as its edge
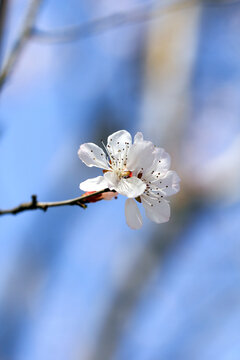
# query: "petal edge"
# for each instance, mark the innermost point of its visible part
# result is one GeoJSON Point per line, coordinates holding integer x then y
{"type": "Point", "coordinates": [94, 184]}
{"type": "Point", "coordinates": [133, 215]}
{"type": "Point", "coordinates": [92, 155]}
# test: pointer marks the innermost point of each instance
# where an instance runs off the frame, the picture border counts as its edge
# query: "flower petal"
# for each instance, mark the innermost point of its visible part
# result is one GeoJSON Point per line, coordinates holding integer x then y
{"type": "Point", "coordinates": [156, 210]}
{"type": "Point", "coordinates": [168, 185]}
{"type": "Point", "coordinates": [119, 139]}
{"type": "Point", "coordinates": [159, 166]}
{"type": "Point", "coordinates": [163, 159]}
{"type": "Point", "coordinates": [130, 187]}
{"type": "Point", "coordinates": [111, 179]}
{"type": "Point", "coordinates": [93, 155]}
{"type": "Point", "coordinates": [132, 214]}
{"type": "Point", "coordinates": [118, 146]}
{"type": "Point", "coordinates": [95, 184]}
{"type": "Point", "coordinates": [140, 156]}
{"type": "Point", "coordinates": [138, 137]}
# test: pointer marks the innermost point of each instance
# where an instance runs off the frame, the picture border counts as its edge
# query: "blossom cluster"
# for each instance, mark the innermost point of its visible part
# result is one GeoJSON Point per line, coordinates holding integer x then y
{"type": "Point", "coordinates": [138, 170]}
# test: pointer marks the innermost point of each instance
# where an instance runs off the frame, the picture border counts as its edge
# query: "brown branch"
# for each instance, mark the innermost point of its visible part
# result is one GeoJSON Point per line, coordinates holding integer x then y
{"type": "Point", "coordinates": [18, 47]}
{"type": "Point", "coordinates": [34, 204]}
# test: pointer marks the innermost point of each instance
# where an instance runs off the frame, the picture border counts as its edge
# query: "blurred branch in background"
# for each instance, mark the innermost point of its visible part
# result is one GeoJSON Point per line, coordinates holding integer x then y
{"type": "Point", "coordinates": [97, 26]}
{"type": "Point", "coordinates": [79, 201]}
{"type": "Point", "coordinates": [3, 16]}
{"type": "Point", "coordinates": [3, 13]}
{"type": "Point", "coordinates": [137, 15]}
{"type": "Point", "coordinates": [23, 37]}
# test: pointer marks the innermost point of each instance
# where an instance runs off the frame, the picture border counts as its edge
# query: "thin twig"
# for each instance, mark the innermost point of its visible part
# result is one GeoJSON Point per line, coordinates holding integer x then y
{"type": "Point", "coordinates": [24, 35]}
{"type": "Point", "coordinates": [34, 204]}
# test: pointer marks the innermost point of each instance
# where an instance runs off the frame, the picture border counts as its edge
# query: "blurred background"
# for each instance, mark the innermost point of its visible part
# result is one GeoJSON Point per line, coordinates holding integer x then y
{"type": "Point", "coordinates": [80, 284]}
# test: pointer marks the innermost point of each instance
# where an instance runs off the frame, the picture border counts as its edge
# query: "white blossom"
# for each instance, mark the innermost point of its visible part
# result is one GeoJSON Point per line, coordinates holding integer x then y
{"type": "Point", "coordinates": [160, 182]}
{"type": "Point", "coordinates": [139, 171]}
{"type": "Point", "coordinates": [113, 161]}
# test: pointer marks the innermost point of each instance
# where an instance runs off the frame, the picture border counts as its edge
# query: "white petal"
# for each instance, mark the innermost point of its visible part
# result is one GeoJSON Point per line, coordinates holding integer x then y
{"type": "Point", "coordinates": [119, 139]}
{"type": "Point", "coordinates": [93, 155]}
{"type": "Point", "coordinates": [168, 185]}
{"type": "Point", "coordinates": [95, 184]}
{"type": "Point", "coordinates": [138, 137]}
{"type": "Point", "coordinates": [160, 165]}
{"type": "Point", "coordinates": [157, 211]}
{"type": "Point", "coordinates": [163, 159]}
{"type": "Point", "coordinates": [118, 146]}
{"type": "Point", "coordinates": [111, 179]}
{"type": "Point", "coordinates": [131, 187]}
{"type": "Point", "coordinates": [133, 215]}
{"type": "Point", "coordinates": [140, 156]}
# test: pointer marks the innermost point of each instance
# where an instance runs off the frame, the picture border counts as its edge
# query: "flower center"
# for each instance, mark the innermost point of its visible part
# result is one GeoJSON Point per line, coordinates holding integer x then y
{"type": "Point", "coordinates": [126, 174]}
{"type": "Point", "coordinates": [117, 156]}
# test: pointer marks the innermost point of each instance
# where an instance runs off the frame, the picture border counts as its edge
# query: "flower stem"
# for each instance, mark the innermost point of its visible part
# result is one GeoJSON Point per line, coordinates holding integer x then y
{"type": "Point", "coordinates": [34, 204]}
